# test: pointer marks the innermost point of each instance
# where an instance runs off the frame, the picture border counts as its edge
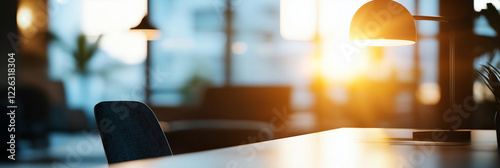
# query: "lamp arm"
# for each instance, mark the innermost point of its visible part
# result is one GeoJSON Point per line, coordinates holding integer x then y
{"type": "Point", "coordinates": [452, 55]}
{"type": "Point", "coordinates": [432, 18]}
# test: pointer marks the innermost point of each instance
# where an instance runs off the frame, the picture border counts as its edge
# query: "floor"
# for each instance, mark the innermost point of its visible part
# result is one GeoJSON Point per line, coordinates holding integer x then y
{"type": "Point", "coordinates": [66, 150]}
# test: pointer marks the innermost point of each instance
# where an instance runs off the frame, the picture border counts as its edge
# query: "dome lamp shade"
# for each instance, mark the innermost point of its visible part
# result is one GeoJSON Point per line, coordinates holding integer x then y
{"type": "Point", "coordinates": [383, 23]}
{"type": "Point", "coordinates": [147, 28]}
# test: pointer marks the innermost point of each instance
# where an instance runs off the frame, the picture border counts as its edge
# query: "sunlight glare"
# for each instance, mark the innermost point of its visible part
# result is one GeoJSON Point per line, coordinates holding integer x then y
{"type": "Point", "coordinates": [334, 22]}
{"type": "Point", "coordinates": [336, 66]}
{"type": "Point", "coordinates": [341, 148]}
{"type": "Point", "coordinates": [100, 17]}
{"type": "Point", "coordinates": [129, 47]}
{"type": "Point", "coordinates": [298, 19]}
{"type": "Point", "coordinates": [481, 4]}
{"type": "Point", "coordinates": [386, 42]}
{"type": "Point", "coordinates": [303, 155]}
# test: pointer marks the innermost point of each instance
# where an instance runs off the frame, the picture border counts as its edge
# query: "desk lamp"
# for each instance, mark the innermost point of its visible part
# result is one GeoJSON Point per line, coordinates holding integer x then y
{"type": "Point", "coordinates": [388, 23]}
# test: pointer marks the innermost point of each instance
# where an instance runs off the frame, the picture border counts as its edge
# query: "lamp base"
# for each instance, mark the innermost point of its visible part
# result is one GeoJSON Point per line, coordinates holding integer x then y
{"type": "Point", "coordinates": [442, 136]}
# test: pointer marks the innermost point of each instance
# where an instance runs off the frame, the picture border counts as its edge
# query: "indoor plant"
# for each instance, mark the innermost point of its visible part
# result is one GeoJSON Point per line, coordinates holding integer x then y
{"type": "Point", "coordinates": [491, 78]}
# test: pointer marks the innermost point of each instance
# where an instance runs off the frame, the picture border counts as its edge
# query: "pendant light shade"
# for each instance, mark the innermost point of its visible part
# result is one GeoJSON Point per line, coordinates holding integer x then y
{"type": "Point", "coordinates": [383, 23]}
{"type": "Point", "coordinates": [147, 28]}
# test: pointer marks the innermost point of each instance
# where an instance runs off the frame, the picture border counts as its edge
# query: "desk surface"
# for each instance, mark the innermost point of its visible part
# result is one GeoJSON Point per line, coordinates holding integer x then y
{"type": "Point", "coordinates": [345, 147]}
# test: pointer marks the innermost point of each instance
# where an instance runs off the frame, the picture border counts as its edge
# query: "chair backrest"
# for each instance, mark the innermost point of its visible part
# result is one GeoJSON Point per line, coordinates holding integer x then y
{"type": "Point", "coordinates": [130, 131]}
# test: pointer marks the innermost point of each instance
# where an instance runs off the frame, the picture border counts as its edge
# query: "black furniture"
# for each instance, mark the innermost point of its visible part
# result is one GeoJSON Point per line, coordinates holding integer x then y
{"type": "Point", "coordinates": [232, 116]}
{"type": "Point", "coordinates": [130, 131]}
{"type": "Point", "coordinates": [246, 102]}
{"type": "Point", "coordinates": [30, 119]}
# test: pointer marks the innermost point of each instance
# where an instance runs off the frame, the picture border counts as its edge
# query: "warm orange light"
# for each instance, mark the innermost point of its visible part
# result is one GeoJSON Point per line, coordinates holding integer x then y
{"type": "Point", "coordinates": [24, 17]}
{"type": "Point", "coordinates": [298, 19]}
{"type": "Point", "coordinates": [383, 23]}
{"type": "Point", "coordinates": [150, 34]}
{"type": "Point", "coordinates": [385, 42]}
{"type": "Point", "coordinates": [429, 93]}
{"type": "Point", "coordinates": [338, 148]}
{"type": "Point", "coordinates": [334, 65]}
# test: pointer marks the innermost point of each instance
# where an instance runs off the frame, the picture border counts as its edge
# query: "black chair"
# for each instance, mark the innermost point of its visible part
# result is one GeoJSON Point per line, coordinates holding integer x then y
{"type": "Point", "coordinates": [130, 131]}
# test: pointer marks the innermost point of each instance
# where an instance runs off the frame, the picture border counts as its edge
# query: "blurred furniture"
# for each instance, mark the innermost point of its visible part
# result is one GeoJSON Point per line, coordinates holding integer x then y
{"type": "Point", "coordinates": [229, 116]}
{"type": "Point", "coordinates": [31, 115]}
{"type": "Point", "coordinates": [245, 102]}
{"type": "Point", "coordinates": [129, 131]}
{"type": "Point", "coordinates": [61, 117]}
{"type": "Point", "coordinates": [345, 147]}
{"type": "Point", "coordinates": [198, 135]}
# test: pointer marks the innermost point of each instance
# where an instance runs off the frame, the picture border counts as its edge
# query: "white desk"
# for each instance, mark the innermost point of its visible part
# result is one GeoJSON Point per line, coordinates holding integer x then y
{"type": "Point", "coordinates": [345, 147]}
